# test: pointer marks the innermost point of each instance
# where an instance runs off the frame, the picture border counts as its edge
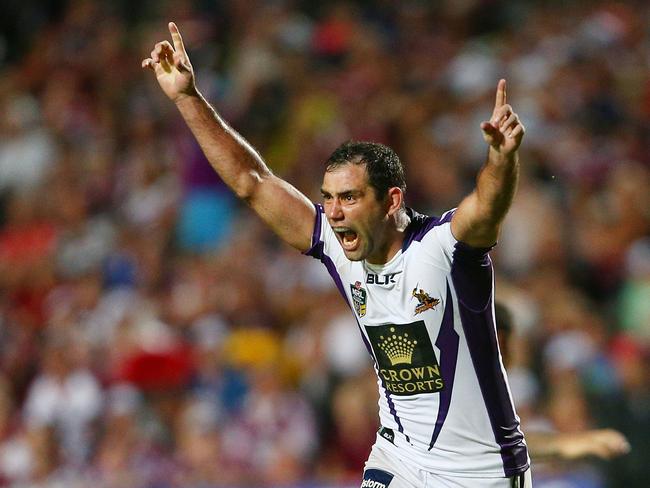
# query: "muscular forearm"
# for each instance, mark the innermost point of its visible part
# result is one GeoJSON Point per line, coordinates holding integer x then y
{"type": "Point", "coordinates": [288, 212]}
{"type": "Point", "coordinates": [478, 218]}
{"type": "Point", "coordinates": [231, 156]}
{"type": "Point", "coordinates": [496, 186]}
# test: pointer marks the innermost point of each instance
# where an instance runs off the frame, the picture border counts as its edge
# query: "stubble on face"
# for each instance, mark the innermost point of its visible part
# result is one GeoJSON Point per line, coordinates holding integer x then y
{"type": "Point", "coordinates": [353, 211]}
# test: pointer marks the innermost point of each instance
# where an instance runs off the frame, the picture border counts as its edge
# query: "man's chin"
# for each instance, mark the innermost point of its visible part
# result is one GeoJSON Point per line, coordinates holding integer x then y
{"type": "Point", "coordinates": [356, 255]}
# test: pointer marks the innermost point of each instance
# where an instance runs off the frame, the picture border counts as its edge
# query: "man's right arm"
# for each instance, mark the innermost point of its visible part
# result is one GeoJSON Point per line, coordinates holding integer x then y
{"type": "Point", "coordinates": [287, 211]}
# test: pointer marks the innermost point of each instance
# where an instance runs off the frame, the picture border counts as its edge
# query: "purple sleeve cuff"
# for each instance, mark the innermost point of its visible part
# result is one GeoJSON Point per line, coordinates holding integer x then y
{"type": "Point", "coordinates": [316, 250]}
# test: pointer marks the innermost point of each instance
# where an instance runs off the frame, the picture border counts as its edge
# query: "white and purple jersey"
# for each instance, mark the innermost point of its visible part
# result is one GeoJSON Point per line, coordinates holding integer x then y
{"type": "Point", "coordinates": [427, 320]}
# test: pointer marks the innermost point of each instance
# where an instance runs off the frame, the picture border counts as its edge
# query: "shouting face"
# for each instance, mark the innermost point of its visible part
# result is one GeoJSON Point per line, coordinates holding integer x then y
{"type": "Point", "coordinates": [360, 220]}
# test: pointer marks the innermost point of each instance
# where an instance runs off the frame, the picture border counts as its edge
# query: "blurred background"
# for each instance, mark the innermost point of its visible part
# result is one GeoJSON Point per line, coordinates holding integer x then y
{"type": "Point", "coordinates": [154, 334]}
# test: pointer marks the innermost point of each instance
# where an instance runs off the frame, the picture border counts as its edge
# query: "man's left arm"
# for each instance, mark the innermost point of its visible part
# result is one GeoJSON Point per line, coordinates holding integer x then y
{"type": "Point", "coordinates": [478, 218]}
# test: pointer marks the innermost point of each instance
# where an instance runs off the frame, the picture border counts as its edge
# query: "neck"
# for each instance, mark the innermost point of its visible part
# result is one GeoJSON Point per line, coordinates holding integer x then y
{"type": "Point", "coordinates": [402, 220]}
{"type": "Point", "coordinates": [394, 239]}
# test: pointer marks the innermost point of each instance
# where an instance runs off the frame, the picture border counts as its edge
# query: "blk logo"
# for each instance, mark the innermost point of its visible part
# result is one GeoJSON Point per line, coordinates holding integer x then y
{"type": "Point", "coordinates": [373, 279]}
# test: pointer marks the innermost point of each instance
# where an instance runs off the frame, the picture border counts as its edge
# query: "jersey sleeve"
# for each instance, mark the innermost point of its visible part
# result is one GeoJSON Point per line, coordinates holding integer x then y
{"type": "Point", "coordinates": [470, 267]}
{"type": "Point", "coordinates": [436, 238]}
{"type": "Point", "coordinates": [324, 245]}
{"type": "Point", "coordinates": [443, 235]}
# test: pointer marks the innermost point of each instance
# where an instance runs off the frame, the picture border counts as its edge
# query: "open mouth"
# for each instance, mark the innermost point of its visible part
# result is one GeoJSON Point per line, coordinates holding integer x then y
{"type": "Point", "coordinates": [348, 238]}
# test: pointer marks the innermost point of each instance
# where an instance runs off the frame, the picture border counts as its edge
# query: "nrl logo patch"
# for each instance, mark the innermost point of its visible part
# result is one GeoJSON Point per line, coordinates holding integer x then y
{"type": "Point", "coordinates": [425, 302]}
{"type": "Point", "coordinates": [358, 298]}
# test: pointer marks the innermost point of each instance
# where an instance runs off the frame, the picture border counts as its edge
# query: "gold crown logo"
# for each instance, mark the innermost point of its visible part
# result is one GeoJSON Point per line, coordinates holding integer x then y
{"type": "Point", "coordinates": [398, 348]}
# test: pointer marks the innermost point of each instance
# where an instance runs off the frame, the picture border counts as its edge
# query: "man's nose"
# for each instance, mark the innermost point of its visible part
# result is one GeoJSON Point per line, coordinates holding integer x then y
{"type": "Point", "coordinates": [335, 210]}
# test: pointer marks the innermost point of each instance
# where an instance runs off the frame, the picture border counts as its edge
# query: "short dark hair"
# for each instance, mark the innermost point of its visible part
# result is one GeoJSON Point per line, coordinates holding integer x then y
{"type": "Point", "coordinates": [384, 168]}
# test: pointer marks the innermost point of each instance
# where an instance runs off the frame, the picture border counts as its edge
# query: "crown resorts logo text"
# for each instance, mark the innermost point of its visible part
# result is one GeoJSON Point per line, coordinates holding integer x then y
{"type": "Point", "coordinates": [407, 362]}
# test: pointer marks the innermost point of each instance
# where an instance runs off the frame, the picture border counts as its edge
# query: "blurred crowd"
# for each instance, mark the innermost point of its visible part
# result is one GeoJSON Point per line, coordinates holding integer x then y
{"type": "Point", "coordinates": [154, 334]}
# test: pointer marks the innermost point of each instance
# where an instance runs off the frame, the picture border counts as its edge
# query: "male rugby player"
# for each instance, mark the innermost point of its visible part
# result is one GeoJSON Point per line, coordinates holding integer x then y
{"type": "Point", "coordinates": [421, 288]}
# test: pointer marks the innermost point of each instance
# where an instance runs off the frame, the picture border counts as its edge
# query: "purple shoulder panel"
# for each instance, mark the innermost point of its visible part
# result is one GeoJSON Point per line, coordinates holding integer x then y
{"type": "Point", "coordinates": [421, 224]}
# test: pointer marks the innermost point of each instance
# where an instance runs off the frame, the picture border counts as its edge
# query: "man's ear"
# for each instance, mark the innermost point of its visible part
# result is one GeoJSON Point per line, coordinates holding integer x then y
{"type": "Point", "coordinates": [395, 200]}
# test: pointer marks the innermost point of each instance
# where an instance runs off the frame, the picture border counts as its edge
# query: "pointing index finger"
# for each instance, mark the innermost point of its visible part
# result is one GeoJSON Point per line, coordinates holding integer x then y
{"type": "Point", "coordinates": [501, 94]}
{"type": "Point", "coordinates": [177, 39]}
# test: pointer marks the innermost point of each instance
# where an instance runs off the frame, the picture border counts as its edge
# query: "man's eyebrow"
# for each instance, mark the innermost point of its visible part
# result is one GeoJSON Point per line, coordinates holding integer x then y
{"type": "Point", "coordinates": [343, 193]}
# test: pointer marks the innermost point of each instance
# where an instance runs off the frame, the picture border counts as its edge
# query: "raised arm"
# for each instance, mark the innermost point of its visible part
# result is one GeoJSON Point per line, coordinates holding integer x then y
{"type": "Point", "coordinates": [478, 218]}
{"type": "Point", "coordinates": [287, 211]}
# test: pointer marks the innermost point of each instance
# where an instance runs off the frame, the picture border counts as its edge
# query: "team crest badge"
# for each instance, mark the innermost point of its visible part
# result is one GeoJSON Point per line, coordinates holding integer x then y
{"type": "Point", "coordinates": [425, 302]}
{"type": "Point", "coordinates": [359, 299]}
